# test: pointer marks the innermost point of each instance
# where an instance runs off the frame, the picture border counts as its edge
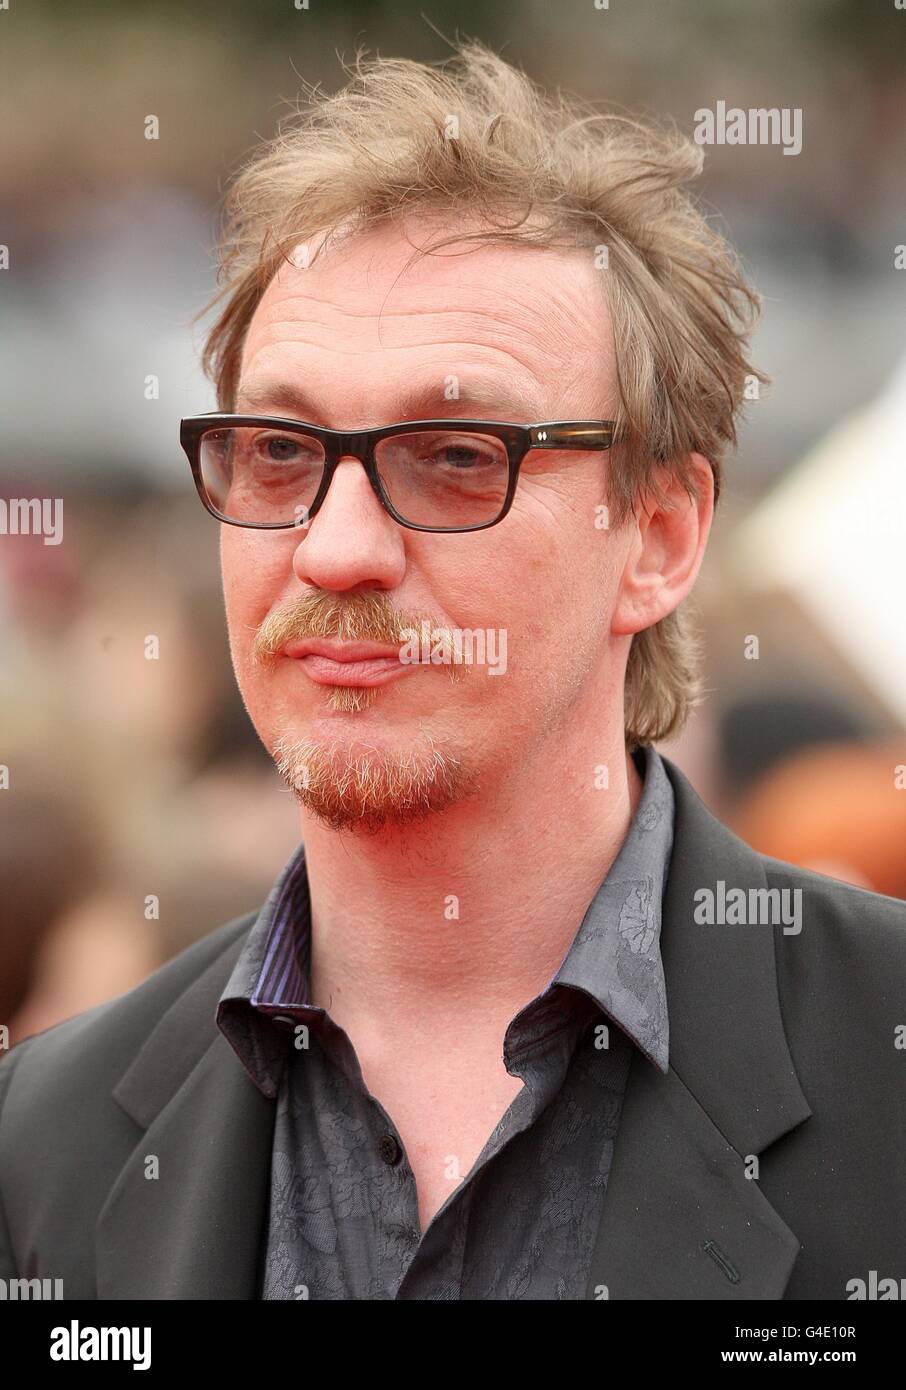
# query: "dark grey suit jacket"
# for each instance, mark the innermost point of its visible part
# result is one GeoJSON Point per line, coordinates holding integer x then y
{"type": "Point", "coordinates": [782, 1047]}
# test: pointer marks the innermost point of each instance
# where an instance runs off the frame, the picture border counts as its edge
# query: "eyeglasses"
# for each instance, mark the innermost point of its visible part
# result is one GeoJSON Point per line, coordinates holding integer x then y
{"type": "Point", "coordinates": [430, 475]}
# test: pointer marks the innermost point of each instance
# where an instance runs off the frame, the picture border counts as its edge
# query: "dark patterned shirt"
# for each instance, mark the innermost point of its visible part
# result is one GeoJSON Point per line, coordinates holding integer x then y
{"type": "Point", "coordinates": [343, 1218]}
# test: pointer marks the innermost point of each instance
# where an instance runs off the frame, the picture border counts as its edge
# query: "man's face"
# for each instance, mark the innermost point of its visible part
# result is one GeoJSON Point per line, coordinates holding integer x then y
{"type": "Point", "coordinates": [360, 343]}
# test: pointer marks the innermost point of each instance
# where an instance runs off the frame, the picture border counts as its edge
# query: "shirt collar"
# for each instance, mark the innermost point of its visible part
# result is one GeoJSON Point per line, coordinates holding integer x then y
{"type": "Point", "coordinates": [615, 956]}
{"type": "Point", "coordinates": [269, 976]}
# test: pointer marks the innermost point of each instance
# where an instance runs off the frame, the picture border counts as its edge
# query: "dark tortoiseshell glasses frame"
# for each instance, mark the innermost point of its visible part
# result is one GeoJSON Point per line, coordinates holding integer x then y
{"type": "Point", "coordinates": [584, 435]}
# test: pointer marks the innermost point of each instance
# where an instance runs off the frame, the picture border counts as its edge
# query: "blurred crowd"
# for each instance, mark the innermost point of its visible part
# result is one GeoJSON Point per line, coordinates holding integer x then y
{"type": "Point", "coordinates": [141, 811]}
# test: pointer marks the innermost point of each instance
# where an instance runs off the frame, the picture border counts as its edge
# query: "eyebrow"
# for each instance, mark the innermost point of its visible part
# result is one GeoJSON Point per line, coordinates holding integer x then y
{"type": "Point", "coordinates": [425, 402]}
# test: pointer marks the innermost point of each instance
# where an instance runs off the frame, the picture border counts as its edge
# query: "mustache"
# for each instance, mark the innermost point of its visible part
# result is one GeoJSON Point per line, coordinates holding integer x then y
{"type": "Point", "coordinates": [368, 617]}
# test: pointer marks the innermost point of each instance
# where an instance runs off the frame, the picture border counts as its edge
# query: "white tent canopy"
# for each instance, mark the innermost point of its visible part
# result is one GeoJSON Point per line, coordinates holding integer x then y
{"type": "Point", "coordinates": [832, 535]}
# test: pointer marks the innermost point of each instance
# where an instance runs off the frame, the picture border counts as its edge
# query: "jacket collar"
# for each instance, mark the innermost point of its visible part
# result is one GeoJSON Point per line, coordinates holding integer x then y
{"type": "Point", "coordinates": [680, 1220]}
{"type": "Point", "coordinates": [728, 1047]}
{"type": "Point", "coordinates": [184, 1218]}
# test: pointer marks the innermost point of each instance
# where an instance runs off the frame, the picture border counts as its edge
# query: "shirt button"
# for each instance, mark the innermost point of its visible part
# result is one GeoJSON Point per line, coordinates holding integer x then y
{"type": "Point", "coordinates": [389, 1149]}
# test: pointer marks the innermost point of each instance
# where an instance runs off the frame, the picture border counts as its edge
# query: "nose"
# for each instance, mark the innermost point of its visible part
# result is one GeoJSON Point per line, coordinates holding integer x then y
{"type": "Point", "coordinates": [352, 542]}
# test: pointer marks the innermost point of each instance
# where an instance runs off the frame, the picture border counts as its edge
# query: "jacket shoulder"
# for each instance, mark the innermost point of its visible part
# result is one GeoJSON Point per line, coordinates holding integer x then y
{"type": "Point", "coordinates": [841, 976]}
{"type": "Point", "coordinates": [838, 914]}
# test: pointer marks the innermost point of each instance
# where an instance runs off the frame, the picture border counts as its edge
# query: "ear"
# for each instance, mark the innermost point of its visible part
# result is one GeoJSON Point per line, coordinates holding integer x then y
{"type": "Point", "coordinates": [666, 549]}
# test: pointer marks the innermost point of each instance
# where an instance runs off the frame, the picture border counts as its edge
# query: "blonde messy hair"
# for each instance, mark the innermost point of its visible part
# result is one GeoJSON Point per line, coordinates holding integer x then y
{"type": "Point", "coordinates": [545, 170]}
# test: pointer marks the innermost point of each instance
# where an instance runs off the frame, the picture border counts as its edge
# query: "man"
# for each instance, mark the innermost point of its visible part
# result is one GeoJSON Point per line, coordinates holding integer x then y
{"type": "Point", "coordinates": [522, 1020]}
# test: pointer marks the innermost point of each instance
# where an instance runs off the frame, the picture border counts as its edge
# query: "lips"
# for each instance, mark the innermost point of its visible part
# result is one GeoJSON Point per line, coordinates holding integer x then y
{"type": "Point", "coordinates": [347, 663]}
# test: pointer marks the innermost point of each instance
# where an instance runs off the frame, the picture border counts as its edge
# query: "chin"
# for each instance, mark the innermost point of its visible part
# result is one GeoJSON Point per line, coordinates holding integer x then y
{"type": "Point", "coordinates": [361, 781]}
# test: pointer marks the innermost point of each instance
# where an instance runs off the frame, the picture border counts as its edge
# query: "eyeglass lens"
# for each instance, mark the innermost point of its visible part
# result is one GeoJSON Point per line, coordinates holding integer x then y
{"type": "Point", "coordinates": [432, 477]}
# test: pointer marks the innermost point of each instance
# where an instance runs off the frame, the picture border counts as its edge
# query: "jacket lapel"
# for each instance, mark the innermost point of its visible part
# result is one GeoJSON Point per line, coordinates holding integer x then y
{"type": "Point", "coordinates": [193, 1231]}
{"type": "Point", "coordinates": [681, 1220]}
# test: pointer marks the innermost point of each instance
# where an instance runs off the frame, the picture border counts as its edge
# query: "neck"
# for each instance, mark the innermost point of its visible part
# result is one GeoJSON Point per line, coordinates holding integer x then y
{"type": "Point", "coordinates": [461, 919]}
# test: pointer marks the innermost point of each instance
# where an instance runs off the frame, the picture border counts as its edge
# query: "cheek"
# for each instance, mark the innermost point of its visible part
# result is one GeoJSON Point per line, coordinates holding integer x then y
{"type": "Point", "coordinates": [565, 599]}
{"type": "Point", "coordinates": [253, 569]}
{"type": "Point", "coordinates": [455, 578]}
{"type": "Point", "coordinates": [553, 576]}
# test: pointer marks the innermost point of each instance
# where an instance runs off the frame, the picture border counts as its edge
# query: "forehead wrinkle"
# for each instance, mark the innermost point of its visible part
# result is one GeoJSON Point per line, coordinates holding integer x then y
{"type": "Point", "coordinates": [481, 310]}
{"type": "Point", "coordinates": [486, 357]}
{"type": "Point", "coordinates": [559, 338]}
{"type": "Point", "coordinates": [564, 303]}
